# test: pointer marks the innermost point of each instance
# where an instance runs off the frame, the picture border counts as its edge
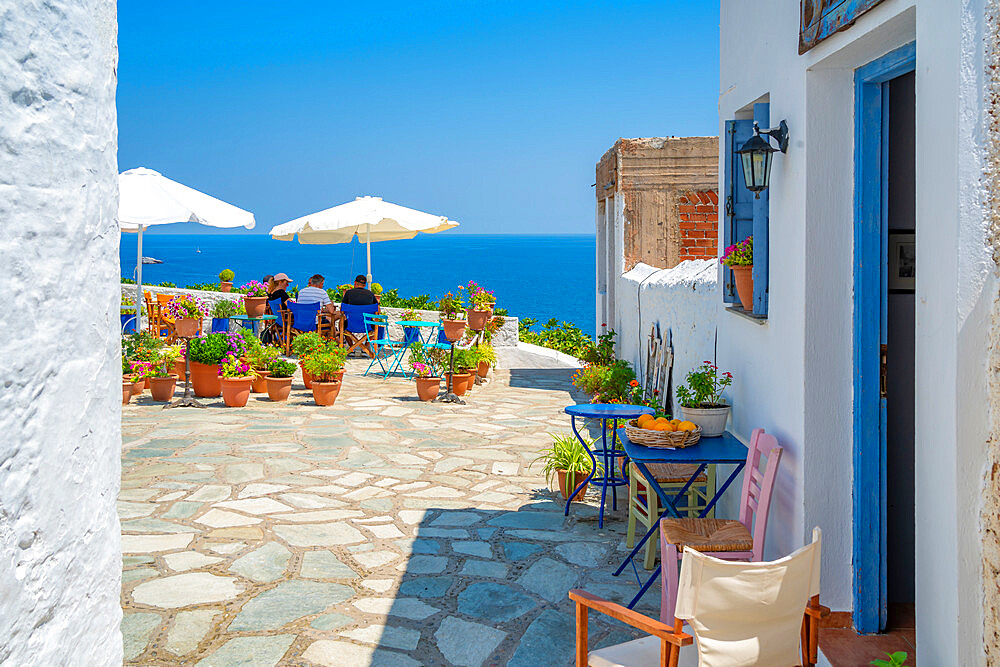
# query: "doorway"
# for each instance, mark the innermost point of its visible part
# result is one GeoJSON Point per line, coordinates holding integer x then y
{"type": "Point", "coordinates": [884, 284]}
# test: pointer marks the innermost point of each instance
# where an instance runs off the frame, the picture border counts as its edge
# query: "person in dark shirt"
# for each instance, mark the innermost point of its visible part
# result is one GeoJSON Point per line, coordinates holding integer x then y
{"type": "Point", "coordinates": [359, 295]}
{"type": "Point", "coordinates": [276, 287]}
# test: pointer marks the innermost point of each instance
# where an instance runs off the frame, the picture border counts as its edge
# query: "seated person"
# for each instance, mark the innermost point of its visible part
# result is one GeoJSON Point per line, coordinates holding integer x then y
{"type": "Point", "coordinates": [276, 287]}
{"type": "Point", "coordinates": [359, 295]}
{"type": "Point", "coordinates": [314, 293]}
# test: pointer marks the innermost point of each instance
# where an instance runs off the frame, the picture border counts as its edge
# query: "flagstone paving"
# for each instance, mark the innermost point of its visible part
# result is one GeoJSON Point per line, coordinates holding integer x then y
{"type": "Point", "coordinates": [381, 530]}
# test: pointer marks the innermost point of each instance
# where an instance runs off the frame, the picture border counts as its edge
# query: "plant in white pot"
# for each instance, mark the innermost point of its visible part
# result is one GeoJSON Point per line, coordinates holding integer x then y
{"type": "Point", "coordinates": [701, 398]}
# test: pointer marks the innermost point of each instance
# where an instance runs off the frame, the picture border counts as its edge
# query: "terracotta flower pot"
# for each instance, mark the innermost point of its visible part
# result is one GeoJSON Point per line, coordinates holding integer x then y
{"type": "Point", "coordinates": [564, 485]}
{"type": "Point", "coordinates": [306, 378]}
{"type": "Point", "coordinates": [126, 392]}
{"type": "Point", "coordinates": [205, 380]}
{"type": "Point", "coordinates": [254, 305]}
{"type": "Point", "coordinates": [225, 287]}
{"type": "Point", "coordinates": [325, 393]}
{"type": "Point", "coordinates": [458, 382]}
{"type": "Point", "coordinates": [137, 387]}
{"type": "Point", "coordinates": [145, 383]}
{"type": "Point", "coordinates": [179, 368]}
{"type": "Point", "coordinates": [484, 369]}
{"type": "Point", "coordinates": [186, 327]}
{"type": "Point", "coordinates": [162, 389]}
{"type": "Point", "coordinates": [427, 388]}
{"type": "Point", "coordinates": [236, 391]}
{"type": "Point", "coordinates": [470, 381]}
{"type": "Point", "coordinates": [278, 389]}
{"type": "Point", "coordinates": [454, 329]}
{"type": "Point", "coordinates": [478, 318]}
{"type": "Point", "coordinates": [259, 385]}
{"type": "Point", "coordinates": [743, 277]}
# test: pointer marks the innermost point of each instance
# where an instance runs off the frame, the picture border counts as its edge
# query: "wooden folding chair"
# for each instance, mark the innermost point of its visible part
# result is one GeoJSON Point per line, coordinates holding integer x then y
{"type": "Point", "coordinates": [763, 613]}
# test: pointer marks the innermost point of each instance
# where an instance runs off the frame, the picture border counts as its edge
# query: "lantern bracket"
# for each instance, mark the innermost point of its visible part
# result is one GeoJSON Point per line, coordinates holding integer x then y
{"type": "Point", "coordinates": [780, 134]}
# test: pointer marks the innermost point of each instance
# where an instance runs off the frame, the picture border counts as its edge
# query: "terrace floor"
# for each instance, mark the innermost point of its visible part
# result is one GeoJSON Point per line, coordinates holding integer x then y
{"type": "Point", "coordinates": [381, 530]}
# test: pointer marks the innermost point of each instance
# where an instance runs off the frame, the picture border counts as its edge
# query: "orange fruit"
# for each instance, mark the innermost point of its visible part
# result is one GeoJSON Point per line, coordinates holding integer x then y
{"type": "Point", "coordinates": [649, 425]}
{"type": "Point", "coordinates": [643, 419]}
{"type": "Point", "coordinates": [662, 420]}
{"type": "Point", "coordinates": [675, 422]}
{"type": "Point", "coordinates": [686, 426]}
{"type": "Point", "coordinates": [667, 426]}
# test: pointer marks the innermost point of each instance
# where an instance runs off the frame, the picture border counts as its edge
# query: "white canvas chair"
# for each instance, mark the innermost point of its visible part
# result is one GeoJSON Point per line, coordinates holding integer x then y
{"type": "Point", "coordinates": [764, 613]}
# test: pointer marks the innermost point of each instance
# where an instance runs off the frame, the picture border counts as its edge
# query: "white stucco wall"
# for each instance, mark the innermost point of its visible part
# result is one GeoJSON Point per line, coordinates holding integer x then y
{"type": "Point", "coordinates": [60, 557]}
{"type": "Point", "coordinates": [799, 364]}
{"type": "Point", "coordinates": [682, 300]}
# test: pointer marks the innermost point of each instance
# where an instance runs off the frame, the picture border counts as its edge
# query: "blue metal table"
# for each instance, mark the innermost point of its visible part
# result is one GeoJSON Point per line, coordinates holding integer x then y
{"type": "Point", "coordinates": [428, 340]}
{"type": "Point", "coordinates": [724, 449]}
{"type": "Point", "coordinates": [605, 412]}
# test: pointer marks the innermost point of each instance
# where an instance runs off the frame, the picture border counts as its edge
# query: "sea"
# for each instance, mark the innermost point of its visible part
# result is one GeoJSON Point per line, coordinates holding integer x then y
{"type": "Point", "coordinates": [538, 276]}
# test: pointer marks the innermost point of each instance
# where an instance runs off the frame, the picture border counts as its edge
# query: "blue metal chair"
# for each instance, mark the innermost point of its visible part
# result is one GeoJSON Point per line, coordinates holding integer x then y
{"type": "Point", "coordinates": [302, 318]}
{"type": "Point", "coordinates": [354, 330]}
{"type": "Point", "coordinates": [384, 348]}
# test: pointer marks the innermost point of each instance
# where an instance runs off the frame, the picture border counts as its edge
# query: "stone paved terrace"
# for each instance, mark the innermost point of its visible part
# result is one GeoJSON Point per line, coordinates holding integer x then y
{"type": "Point", "coordinates": [381, 530]}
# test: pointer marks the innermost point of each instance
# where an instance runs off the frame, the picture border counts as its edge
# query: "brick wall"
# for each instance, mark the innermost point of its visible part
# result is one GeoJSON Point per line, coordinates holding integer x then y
{"type": "Point", "coordinates": [699, 224]}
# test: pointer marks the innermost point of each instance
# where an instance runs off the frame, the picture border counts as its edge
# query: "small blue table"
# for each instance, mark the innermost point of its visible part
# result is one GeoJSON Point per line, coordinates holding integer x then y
{"type": "Point", "coordinates": [604, 412]}
{"type": "Point", "coordinates": [254, 321]}
{"type": "Point", "coordinates": [724, 449]}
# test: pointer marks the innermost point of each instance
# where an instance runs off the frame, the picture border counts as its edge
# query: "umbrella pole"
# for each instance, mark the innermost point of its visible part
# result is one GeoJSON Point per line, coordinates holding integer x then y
{"type": "Point", "coordinates": [138, 282]}
{"type": "Point", "coordinates": [368, 244]}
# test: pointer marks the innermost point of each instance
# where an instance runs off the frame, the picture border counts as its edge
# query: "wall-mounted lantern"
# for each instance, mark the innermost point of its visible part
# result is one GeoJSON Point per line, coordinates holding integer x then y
{"type": "Point", "coordinates": [756, 155]}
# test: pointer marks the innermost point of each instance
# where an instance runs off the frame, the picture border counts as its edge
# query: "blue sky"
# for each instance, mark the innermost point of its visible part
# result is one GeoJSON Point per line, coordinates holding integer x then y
{"type": "Point", "coordinates": [492, 113]}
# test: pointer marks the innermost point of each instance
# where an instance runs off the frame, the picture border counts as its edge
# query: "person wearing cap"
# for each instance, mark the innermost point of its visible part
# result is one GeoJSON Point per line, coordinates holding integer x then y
{"type": "Point", "coordinates": [359, 295]}
{"type": "Point", "coordinates": [276, 287]}
{"type": "Point", "coordinates": [314, 293]}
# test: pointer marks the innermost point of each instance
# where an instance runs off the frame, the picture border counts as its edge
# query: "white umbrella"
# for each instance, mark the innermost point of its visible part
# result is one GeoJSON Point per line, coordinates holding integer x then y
{"type": "Point", "coordinates": [368, 218]}
{"type": "Point", "coordinates": [146, 198]}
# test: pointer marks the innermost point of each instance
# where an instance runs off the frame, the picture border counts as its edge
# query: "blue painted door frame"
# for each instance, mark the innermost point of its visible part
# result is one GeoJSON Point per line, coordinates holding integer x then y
{"type": "Point", "coordinates": [871, 119]}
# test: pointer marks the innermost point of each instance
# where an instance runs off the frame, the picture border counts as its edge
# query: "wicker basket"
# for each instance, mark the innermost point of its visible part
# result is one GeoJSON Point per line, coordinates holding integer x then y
{"type": "Point", "coordinates": [661, 439]}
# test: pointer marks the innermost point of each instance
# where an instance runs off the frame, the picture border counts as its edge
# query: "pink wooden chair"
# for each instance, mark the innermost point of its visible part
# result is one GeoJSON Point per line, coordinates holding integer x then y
{"type": "Point", "coordinates": [727, 539]}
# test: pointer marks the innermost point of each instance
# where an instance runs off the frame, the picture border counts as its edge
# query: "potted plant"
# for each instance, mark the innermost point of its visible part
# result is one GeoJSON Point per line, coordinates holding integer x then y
{"type": "Point", "coordinates": [410, 334]}
{"type": "Point", "coordinates": [226, 280]}
{"type": "Point", "coordinates": [569, 462]}
{"type": "Point", "coordinates": [236, 379]}
{"type": "Point", "coordinates": [222, 310]}
{"type": "Point", "coordinates": [376, 289]}
{"type": "Point", "coordinates": [139, 372]}
{"type": "Point", "coordinates": [466, 362]}
{"type": "Point", "coordinates": [126, 380]}
{"type": "Point", "coordinates": [739, 258]}
{"type": "Point", "coordinates": [279, 379]}
{"type": "Point", "coordinates": [187, 312]}
{"type": "Point", "coordinates": [450, 307]}
{"type": "Point", "coordinates": [701, 398]}
{"type": "Point", "coordinates": [482, 306]}
{"type": "Point", "coordinates": [260, 357]}
{"type": "Point", "coordinates": [162, 381]}
{"type": "Point", "coordinates": [428, 384]}
{"type": "Point", "coordinates": [206, 353]}
{"type": "Point", "coordinates": [485, 357]}
{"type": "Point", "coordinates": [326, 366]}
{"type": "Point", "coordinates": [255, 298]}
{"type": "Point", "coordinates": [302, 345]}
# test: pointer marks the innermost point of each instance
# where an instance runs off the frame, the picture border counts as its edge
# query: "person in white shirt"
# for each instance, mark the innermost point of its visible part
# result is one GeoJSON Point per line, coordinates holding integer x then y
{"type": "Point", "coordinates": [314, 293]}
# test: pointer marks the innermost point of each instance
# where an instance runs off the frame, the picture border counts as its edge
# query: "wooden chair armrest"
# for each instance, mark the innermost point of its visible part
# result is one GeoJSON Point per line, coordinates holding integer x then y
{"type": "Point", "coordinates": [630, 617]}
{"type": "Point", "coordinates": [816, 610]}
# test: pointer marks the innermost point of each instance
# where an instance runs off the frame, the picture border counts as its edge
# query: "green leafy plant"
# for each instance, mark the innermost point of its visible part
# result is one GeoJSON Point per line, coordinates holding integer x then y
{"type": "Point", "coordinates": [281, 369]}
{"type": "Point", "coordinates": [141, 346]}
{"type": "Point", "coordinates": [376, 288]}
{"type": "Point", "coordinates": [391, 299]}
{"type": "Point", "coordinates": [326, 362]}
{"type": "Point", "coordinates": [638, 396]}
{"type": "Point", "coordinates": [609, 384]}
{"type": "Point", "coordinates": [483, 352]}
{"type": "Point", "coordinates": [704, 387]}
{"type": "Point", "coordinates": [226, 308]}
{"type": "Point", "coordinates": [209, 349]}
{"type": "Point", "coordinates": [601, 354]}
{"type": "Point", "coordinates": [232, 367]}
{"type": "Point", "coordinates": [897, 659]}
{"type": "Point", "coordinates": [409, 315]}
{"type": "Point", "coordinates": [478, 296]}
{"type": "Point", "coordinates": [739, 254]}
{"type": "Point", "coordinates": [566, 453]}
{"type": "Point", "coordinates": [302, 343]}
{"type": "Point", "coordinates": [126, 365]}
{"type": "Point", "coordinates": [164, 365]}
{"type": "Point", "coordinates": [451, 306]}
{"type": "Point", "coordinates": [226, 276]}
{"type": "Point", "coordinates": [186, 305]}
{"type": "Point", "coordinates": [562, 336]}
{"type": "Point", "coordinates": [128, 306]}
{"type": "Point", "coordinates": [261, 357]}
{"type": "Point", "coordinates": [254, 288]}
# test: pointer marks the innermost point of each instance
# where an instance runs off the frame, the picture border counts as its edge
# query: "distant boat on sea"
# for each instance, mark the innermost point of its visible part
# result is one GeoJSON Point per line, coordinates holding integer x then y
{"type": "Point", "coordinates": [198, 250]}
{"type": "Point", "coordinates": [151, 260]}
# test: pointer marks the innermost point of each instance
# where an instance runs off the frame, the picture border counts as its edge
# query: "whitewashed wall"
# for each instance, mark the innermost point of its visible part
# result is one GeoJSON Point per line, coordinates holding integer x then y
{"type": "Point", "coordinates": [60, 448]}
{"type": "Point", "coordinates": [682, 300]}
{"type": "Point", "coordinates": [800, 361]}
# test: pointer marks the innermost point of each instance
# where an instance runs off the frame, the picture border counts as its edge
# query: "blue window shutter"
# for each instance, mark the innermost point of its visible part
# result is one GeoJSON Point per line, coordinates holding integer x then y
{"type": "Point", "coordinates": [739, 201]}
{"type": "Point", "coordinates": [762, 115]}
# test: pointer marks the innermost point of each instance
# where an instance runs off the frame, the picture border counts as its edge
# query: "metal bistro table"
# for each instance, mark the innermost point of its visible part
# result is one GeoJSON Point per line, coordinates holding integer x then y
{"type": "Point", "coordinates": [605, 412]}
{"type": "Point", "coordinates": [254, 321]}
{"type": "Point", "coordinates": [724, 449]}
